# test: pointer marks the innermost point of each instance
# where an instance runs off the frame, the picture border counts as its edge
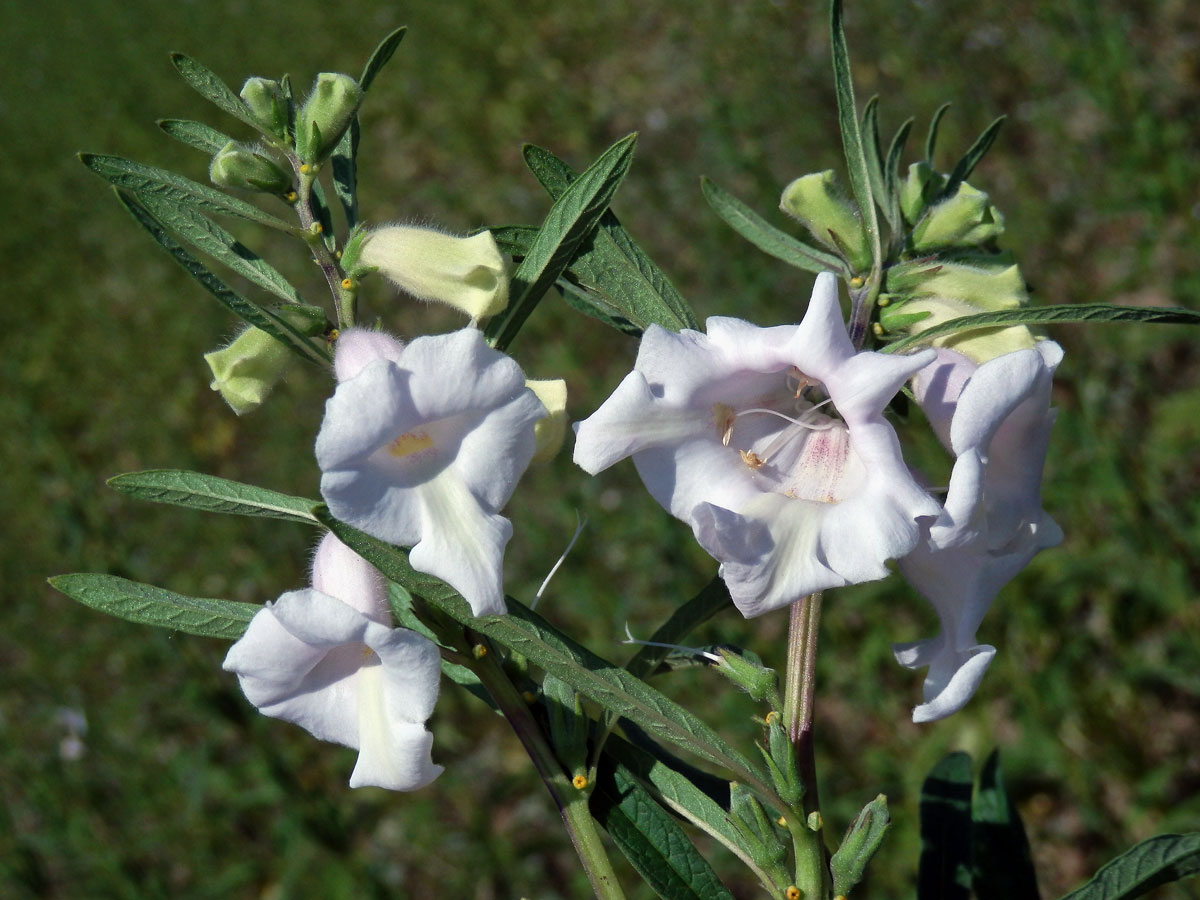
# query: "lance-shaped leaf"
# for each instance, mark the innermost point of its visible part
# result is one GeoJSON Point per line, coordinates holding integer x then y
{"type": "Point", "coordinates": [1001, 865]}
{"type": "Point", "coordinates": [208, 237]}
{"type": "Point", "coordinates": [1061, 314]}
{"type": "Point", "coordinates": [852, 139]}
{"type": "Point", "coordinates": [765, 236]}
{"type": "Point", "coordinates": [380, 57]}
{"type": "Point", "coordinates": [932, 136]}
{"type": "Point", "coordinates": [966, 165]}
{"type": "Point", "coordinates": [149, 182]}
{"type": "Point", "coordinates": [149, 605]}
{"type": "Point", "coordinates": [195, 134]}
{"type": "Point", "coordinates": [614, 265]}
{"type": "Point", "coordinates": [525, 632]}
{"type": "Point", "coordinates": [652, 841]}
{"type": "Point", "coordinates": [875, 168]}
{"type": "Point", "coordinates": [1156, 861]}
{"type": "Point", "coordinates": [206, 83]}
{"type": "Point", "coordinates": [246, 309]}
{"type": "Point", "coordinates": [944, 872]}
{"type": "Point", "coordinates": [571, 221]}
{"type": "Point", "coordinates": [891, 173]}
{"type": "Point", "coordinates": [712, 599]}
{"type": "Point", "coordinates": [196, 490]}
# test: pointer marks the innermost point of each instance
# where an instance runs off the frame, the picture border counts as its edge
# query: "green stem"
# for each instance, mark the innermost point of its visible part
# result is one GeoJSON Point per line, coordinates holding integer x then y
{"type": "Point", "coordinates": [572, 802]}
{"type": "Point", "coordinates": [812, 872]}
{"type": "Point", "coordinates": [343, 298]}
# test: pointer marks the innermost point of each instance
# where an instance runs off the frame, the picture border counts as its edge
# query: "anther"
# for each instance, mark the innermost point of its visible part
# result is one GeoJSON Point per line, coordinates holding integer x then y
{"type": "Point", "coordinates": [751, 459]}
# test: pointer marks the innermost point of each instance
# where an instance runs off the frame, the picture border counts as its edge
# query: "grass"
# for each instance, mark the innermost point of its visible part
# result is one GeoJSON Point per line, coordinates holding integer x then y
{"type": "Point", "coordinates": [183, 791]}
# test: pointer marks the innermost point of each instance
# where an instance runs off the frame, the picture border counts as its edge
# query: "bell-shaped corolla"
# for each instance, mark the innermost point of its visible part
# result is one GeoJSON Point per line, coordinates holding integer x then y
{"type": "Point", "coordinates": [771, 443]}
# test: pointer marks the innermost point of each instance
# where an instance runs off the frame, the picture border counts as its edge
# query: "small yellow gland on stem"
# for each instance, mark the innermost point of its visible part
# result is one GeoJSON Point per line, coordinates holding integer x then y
{"type": "Point", "coordinates": [347, 284]}
{"type": "Point", "coordinates": [579, 782]}
{"type": "Point", "coordinates": [793, 893]}
{"type": "Point", "coordinates": [291, 196]}
{"type": "Point", "coordinates": [857, 281]}
{"type": "Point", "coordinates": [479, 651]}
{"type": "Point", "coordinates": [772, 716]}
{"type": "Point", "coordinates": [781, 821]}
{"type": "Point", "coordinates": [305, 168]}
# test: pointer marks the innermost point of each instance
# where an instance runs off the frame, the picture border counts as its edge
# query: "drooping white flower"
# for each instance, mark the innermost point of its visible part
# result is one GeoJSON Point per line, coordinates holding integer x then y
{"type": "Point", "coordinates": [422, 444]}
{"type": "Point", "coordinates": [996, 419]}
{"type": "Point", "coordinates": [326, 659]}
{"type": "Point", "coordinates": [771, 443]}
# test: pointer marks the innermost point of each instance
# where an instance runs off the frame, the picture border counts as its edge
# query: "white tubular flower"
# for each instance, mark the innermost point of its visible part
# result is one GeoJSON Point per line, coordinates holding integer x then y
{"type": "Point", "coordinates": [771, 444]}
{"type": "Point", "coordinates": [422, 444]}
{"type": "Point", "coordinates": [324, 659]}
{"type": "Point", "coordinates": [467, 273]}
{"type": "Point", "coordinates": [996, 419]}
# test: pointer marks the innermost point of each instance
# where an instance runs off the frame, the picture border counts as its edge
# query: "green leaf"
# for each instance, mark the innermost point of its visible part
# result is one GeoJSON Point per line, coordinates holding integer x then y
{"type": "Point", "coordinates": [208, 85]}
{"type": "Point", "coordinates": [615, 266]}
{"type": "Point", "coordinates": [380, 57]}
{"type": "Point", "coordinates": [344, 166]}
{"type": "Point", "coordinates": [1156, 861]}
{"type": "Point", "coordinates": [944, 872]}
{"type": "Point", "coordinates": [850, 860]}
{"type": "Point", "coordinates": [966, 165]}
{"type": "Point", "coordinates": [208, 237]}
{"type": "Point", "coordinates": [931, 138]}
{"type": "Point", "coordinates": [1062, 314]}
{"type": "Point", "coordinates": [195, 134]}
{"type": "Point", "coordinates": [711, 600]}
{"type": "Point", "coordinates": [212, 494]}
{"type": "Point", "coordinates": [891, 171]}
{"type": "Point", "coordinates": [652, 842]}
{"type": "Point", "coordinates": [765, 236]}
{"type": "Point", "coordinates": [248, 310]}
{"type": "Point", "coordinates": [874, 157]}
{"type": "Point", "coordinates": [600, 308]}
{"type": "Point", "coordinates": [569, 224]}
{"type": "Point", "coordinates": [568, 724]}
{"type": "Point", "coordinates": [149, 605]}
{"type": "Point", "coordinates": [1002, 868]}
{"type": "Point", "coordinates": [852, 140]}
{"type": "Point", "coordinates": [151, 182]}
{"type": "Point", "coordinates": [525, 632]}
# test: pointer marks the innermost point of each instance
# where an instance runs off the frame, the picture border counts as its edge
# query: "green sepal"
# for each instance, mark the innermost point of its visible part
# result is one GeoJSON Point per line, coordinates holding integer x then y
{"type": "Point", "coordinates": [875, 164]}
{"type": "Point", "coordinates": [892, 318]}
{"type": "Point", "coordinates": [780, 755]}
{"type": "Point", "coordinates": [862, 839]}
{"type": "Point", "coordinates": [326, 115]}
{"type": "Point", "coordinates": [760, 838]}
{"type": "Point", "coordinates": [242, 168]}
{"type": "Point", "coordinates": [149, 605]}
{"type": "Point", "coordinates": [932, 136]}
{"type": "Point", "coordinates": [966, 165]}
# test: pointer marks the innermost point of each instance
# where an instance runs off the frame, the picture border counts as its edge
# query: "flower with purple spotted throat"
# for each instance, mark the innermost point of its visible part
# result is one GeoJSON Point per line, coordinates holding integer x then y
{"type": "Point", "coordinates": [771, 443]}
{"type": "Point", "coordinates": [422, 444]}
{"type": "Point", "coordinates": [327, 659]}
{"type": "Point", "coordinates": [996, 419]}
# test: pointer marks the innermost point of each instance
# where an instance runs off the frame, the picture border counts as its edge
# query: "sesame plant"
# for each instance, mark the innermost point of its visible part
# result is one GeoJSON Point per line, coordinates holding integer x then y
{"type": "Point", "coordinates": [777, 444]}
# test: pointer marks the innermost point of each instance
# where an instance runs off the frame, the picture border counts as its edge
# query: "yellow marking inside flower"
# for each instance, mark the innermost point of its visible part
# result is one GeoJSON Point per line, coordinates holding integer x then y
{"type": "Point", "coordinates": [723, 418]}
{"type": "Point", "coordinates": [579, 782]}
{"type": "Point", "coordinates": [751, 459]}
{"type": "Point", "coordinates": [793, 893]}
{"type": "Point", "coordinates": [409, 443]}
{"type": "Point", "coordinates": [367, 652]}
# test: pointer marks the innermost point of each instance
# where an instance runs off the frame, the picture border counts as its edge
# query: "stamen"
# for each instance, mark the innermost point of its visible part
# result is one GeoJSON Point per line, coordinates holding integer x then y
{"type": "Point", "coordinates": [695, 651]}
{"type": "Point", "coordinates": [750, 458]}
{"type": "Point", "coordinates": [800, 422]}
{"type": "Point", "coordinates": [579, 524]}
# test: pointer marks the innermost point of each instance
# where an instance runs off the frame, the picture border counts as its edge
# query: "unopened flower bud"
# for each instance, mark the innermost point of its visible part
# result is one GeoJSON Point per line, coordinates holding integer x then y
{"type": "Point", "coordinates": [325, 115]}
{"type": "Point", "coordinates": [966, 219]}
{"type": "Point", "coordinates": [239, 167]}
{"type": "Point", "coordinates": [467, 273]}
{"type": "Point", "coordinates": [820, 206]}
{"type": "Point", "coordinates": [746, 670]}
{"type": "Point", "coordinates": [918, 190]}
{"type": "Point", "coordinates": [266, 101]}
{"type": "Point", "coordinates": [987, 288]}
{"type": "Point", "coordinates": [548, 433]}
{"type": "Point", "coordinates": [247, 370]}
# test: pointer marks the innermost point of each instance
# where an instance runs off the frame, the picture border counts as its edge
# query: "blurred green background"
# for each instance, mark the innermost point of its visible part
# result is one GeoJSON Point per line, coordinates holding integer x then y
{"type": "Point", "coordinates": [177, 788]}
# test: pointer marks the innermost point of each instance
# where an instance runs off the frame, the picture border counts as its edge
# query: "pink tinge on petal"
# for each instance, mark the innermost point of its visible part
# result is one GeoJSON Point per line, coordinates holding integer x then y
{"type": "Point", "coordinates": [356, 347]}
{"type": "Point", "coordinates": [340, 572]}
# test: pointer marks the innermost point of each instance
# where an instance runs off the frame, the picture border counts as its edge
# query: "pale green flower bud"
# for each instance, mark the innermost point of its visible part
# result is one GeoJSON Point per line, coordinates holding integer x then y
{"type": "Point", "coordinates": [266, 101]}
{"type": "Point", "coordinates": [239, 167]}
{"type": "Point", "coordinates": [965, 219]}
{"type": "Point", "coordinates": [246, 371]}
{"type": "Point", "coordinates": [919, 188]}
{"type": "Point", "coordinates": [549, 432]}
{"type": "Point", "coordinates": [820, 206]}
{"type": "Point", "coordinates": [467, 273]}
{"type": "Point", "coordinates": [325, 115]}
